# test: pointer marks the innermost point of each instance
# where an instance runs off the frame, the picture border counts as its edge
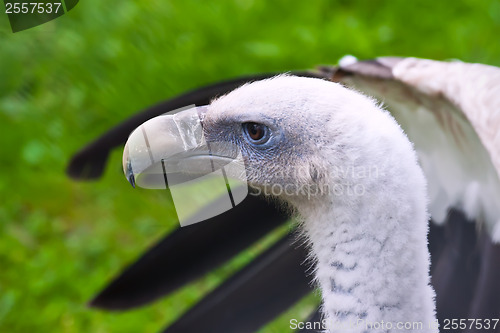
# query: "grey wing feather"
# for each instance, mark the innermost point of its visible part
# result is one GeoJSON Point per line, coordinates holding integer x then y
{"type": "Point", "coordinates": [451, 112]}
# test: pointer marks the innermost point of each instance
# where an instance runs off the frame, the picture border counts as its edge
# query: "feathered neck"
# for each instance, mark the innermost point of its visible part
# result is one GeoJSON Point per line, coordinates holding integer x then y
{"type": "Point", "coordinates": [368, 236]}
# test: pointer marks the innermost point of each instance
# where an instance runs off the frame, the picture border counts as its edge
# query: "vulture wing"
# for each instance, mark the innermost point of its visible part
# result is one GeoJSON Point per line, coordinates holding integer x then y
{"type": "Point", "coordinates": [451, 112]}
{"type": "Point", "coordinates": [253, 296]}
{"type": "Point", "coordinates": [197, 250]}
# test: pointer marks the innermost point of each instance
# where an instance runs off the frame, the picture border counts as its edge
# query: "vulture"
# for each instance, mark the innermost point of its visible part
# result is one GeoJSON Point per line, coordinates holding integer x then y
{"type": "Point", "coordinates": [382, 147]}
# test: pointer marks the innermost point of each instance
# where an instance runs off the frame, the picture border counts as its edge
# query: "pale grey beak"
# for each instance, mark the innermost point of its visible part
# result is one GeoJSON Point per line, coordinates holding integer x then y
{"type": "Point", "coordinates": [171, 151]}
{"type": "Point", "coordinates": [154, 146]}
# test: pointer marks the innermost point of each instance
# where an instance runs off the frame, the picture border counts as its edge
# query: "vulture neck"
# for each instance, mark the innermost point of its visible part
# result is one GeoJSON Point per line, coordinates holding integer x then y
{"type": "Point", "coordinates": [369, 242]}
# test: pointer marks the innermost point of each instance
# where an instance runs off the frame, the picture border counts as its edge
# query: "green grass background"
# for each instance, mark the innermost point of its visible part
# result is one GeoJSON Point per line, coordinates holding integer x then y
{"type": "Point", "coordinates": [65, 82]}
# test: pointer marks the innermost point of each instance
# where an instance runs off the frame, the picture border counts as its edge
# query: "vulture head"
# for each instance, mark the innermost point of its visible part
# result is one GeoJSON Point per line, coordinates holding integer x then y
{"type": "Point", "coordinates": [301, 140]}
{"type": "Point", "coordinates": [341, 161]}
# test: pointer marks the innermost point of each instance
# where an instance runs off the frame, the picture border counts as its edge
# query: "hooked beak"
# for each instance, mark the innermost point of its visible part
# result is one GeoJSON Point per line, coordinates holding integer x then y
{"type": "Point", "coordinates": [157, 140]}
{"type": "Point", "coordinates": [171, 149]}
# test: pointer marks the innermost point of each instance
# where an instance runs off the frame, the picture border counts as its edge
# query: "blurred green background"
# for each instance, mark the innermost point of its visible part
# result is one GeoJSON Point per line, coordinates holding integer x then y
{"type": "Point", "coordinates": [65, 82]}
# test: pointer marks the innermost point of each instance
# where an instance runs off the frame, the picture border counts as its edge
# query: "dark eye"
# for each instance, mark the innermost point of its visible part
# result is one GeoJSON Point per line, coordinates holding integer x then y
{"type": "Point", "coordinates": [256, 133]}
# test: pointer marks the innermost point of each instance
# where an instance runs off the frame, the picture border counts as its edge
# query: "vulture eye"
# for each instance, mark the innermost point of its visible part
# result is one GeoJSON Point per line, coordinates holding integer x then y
{"type": "Point", "coordinates": [256, 133]}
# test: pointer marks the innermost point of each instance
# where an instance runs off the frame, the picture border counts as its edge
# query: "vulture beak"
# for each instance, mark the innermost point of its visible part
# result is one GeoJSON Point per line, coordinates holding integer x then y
{"type": "Point", "coordinates": [170, 151]}
{"type": "Point", "coordinates": [158, 146]}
